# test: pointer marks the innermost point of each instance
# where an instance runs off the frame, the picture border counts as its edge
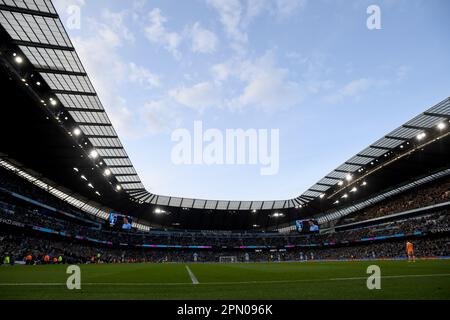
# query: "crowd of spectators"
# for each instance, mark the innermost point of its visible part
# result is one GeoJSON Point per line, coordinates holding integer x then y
{"type": "Point", "coordinates": [18, 247]}
{"type": "Point", "coordinates": [341, 244]}
{"type": "Point", "coordinates": [417, 198]}
{"type": "Point", "coordinates": [39, 217]}
{"type": "Point", "coordinates": [11, 182]}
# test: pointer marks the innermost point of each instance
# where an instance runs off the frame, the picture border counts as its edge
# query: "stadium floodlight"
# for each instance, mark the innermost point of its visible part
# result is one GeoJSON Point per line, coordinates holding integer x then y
{"type": "Point", "coordinates": [336, 202]}
{"type": "Point", "coordinates": [441, 126]}
{"type": "Point", "coordinates": [83, 177]}
{"type": "Point", "coordinates": [345, 196]}
{"type": "Point", "coordinates": [75, 169]}
{"type": "Point", "coordinates": [53, 102]}
{"type": "Point", "coordinates": [159, 211]}
{"type": "Point", "coordinates": [76, 132]}
{"type": "Point", "coordinates": [107, 172]}
{"type": "Point", "coordinates": [348, 177]}
{"type": "Point", "coordinates": [421, 136]}
{"type": "Point", "coordinates": [354, 189]}
{"type": "Point", "coordinates": [322, 195]}
{"type": "Point", "coordinates": [93, 154]}
{"type": "Point", "coordinates": [340, 183]}
{"type": "Point", "coordinates": [118, 188]}
{"type": "Point", "coordinates": [254, 211]}
{"type": "Point", "coordinates": [97, 193]}
{"type": "Point", "coordinates": [278, 215]}
{"type": "Point", "coordinates": [90, 185]}
{"type": "Point", "coordinates": [38, 83]}
{"type": "Point", "coordinates": [18, 59]}
{"type": "Point", "coordinates": [364, 183]}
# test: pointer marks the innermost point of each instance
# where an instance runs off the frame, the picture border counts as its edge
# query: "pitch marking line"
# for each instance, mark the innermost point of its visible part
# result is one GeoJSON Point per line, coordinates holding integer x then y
{"type": "Point", "coordinates": [38, 284]}
{"type": "Point", "coordinates": [192, 275]}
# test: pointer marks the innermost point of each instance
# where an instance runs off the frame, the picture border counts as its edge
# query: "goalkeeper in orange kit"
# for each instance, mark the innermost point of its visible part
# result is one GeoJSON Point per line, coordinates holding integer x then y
{"type": "Point", "coordinates": [410, 251]}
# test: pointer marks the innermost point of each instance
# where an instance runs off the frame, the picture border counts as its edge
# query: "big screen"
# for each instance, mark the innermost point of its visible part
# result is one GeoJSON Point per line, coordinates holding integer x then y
{"type": "Point", "coordinates": [307, 226]}
{"type": "Point", "coordinates": [120, 221]}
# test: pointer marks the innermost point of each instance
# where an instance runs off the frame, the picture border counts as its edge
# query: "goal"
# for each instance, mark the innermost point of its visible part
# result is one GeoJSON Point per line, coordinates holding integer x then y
{"type": "Point", "coordinates": [228, 259]}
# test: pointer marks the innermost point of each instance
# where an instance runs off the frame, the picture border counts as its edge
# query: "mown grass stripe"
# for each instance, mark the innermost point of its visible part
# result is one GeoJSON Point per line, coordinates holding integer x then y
{"type": "Point", "coordinates": [195, 281]}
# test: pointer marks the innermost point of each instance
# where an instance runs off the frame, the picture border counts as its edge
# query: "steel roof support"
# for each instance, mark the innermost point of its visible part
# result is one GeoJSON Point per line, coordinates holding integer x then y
{"type": "Point", "coordinates": [29, 11]}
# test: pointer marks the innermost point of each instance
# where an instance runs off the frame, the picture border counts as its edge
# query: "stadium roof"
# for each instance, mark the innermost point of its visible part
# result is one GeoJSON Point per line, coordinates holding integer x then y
{"type": "Point", "coordinates": [36, 29]}
{"type": "Point", "coordinates": [351, 169]}
{"type": "Point", "coordinates": [358, 165]}
{"type": "Point", "coordinates": [37, 50]}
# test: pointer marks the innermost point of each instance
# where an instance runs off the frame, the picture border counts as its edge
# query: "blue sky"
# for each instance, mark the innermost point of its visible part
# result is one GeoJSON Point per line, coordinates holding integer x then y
{"type": "Point", "coordinates": [311, 69]}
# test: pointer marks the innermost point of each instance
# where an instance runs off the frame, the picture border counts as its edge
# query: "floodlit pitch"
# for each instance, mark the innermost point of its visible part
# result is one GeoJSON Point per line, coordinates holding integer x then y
{"type": "Point", "coordinates": [425, 279]}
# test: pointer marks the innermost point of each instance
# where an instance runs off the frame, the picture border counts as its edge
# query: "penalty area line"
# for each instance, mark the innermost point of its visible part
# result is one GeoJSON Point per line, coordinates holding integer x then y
{"type": "Point", "coordinates": [192, 275]}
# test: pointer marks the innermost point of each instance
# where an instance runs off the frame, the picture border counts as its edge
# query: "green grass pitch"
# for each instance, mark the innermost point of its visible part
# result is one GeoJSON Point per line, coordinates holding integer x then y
{"type": "Point", "coordinates": [425, 279]}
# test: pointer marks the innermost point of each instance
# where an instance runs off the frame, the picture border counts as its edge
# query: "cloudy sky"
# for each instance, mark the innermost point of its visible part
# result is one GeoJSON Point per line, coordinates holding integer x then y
{"type": "Point", "coordinates": [311, 69]}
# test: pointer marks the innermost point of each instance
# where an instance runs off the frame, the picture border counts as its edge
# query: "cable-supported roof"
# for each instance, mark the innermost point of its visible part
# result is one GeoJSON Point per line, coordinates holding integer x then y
{"type": "Point", "coordinates": [427, 120]}
{"type": "Point", "coordinates": [35, 28]}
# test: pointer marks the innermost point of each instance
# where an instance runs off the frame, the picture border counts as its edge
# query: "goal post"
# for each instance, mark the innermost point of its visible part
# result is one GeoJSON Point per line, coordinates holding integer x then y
{"type": "Point", "coordinates": [228, 259]}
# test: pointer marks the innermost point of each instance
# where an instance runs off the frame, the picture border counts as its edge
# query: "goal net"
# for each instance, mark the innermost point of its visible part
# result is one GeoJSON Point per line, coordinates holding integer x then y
{"type": "Point", "coordinates": [228, 259]}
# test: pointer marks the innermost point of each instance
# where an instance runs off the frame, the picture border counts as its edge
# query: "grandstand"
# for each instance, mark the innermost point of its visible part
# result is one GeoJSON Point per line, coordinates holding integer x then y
{"type": "Point", "coordinates": [63, 170]}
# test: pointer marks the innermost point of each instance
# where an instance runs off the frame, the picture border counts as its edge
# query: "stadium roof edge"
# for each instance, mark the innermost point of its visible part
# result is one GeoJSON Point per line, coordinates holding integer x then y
{"type": "Point", "coordinates": [75, 94]}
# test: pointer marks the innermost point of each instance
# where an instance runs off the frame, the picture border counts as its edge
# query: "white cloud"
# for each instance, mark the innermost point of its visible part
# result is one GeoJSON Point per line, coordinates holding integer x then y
{"type": "Point", "coordinates": [255, 8]}
{"type": "Point", "coordinates": [236, 15]}
{"type": "Point", "coordinates": [156, 32]}
{"type": "Point", "coordinates": [246, 83]}
{"type": "Point", "coordinates": [354, 89]}
{"type": "Point", "coordinates": [109, 71]}
{"type": "Point", "coordinates": [203, 40]}
{"type": "Point", "coordinates": [277, 8]}
{"type": "Point", "coordinates": [116, 22]}
{"type": "Point", "coordinates": [220, 71]}
{"type": "Point", "coordinates": [62, 5]}
{"type": "Point", "coordinates": [230, 13]}
{"type": "Point", "coordinates": [160, 116]}
{"type": "Point", "coordinates": [142, 76]}
{"type": "Point", "coordinates": [285, 8]}
{"type": "Point", "coordinates": [199, 96]}
{"type": "Point", "coordinates": [266, 86]}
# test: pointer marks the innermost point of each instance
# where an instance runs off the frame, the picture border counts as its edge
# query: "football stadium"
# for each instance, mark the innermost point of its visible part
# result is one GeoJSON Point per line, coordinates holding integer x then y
{"type": "Point", "coordinates": [77, 222]}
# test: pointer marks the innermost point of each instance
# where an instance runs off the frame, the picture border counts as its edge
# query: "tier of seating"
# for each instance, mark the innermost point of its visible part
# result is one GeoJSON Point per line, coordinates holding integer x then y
{"type": "Point", "coordinates": [18, 247]}
{"type": "Point", "coordinates": [28, 228]}
{"type": "Point", "coordinates": [435, 193]}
